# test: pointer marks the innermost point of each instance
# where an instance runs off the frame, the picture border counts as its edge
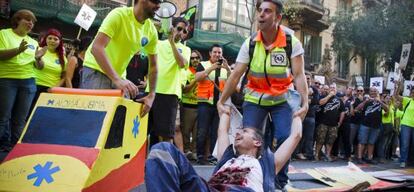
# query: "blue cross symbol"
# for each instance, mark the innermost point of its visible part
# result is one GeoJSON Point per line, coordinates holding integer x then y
{"type": "Point", "coordinates": [135, 129]}
{"type": "Point", "coordinates": [44, 172]}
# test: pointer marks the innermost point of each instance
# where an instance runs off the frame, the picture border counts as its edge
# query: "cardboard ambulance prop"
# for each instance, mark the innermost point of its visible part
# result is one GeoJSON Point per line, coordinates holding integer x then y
{"type": "Point", "coordinates": [75, 141]}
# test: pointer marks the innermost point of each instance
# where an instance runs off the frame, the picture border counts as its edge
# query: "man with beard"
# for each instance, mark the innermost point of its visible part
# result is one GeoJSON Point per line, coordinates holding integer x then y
{"type": "Point", "coordinates": [173, 57]}
{"type": "Point", "coordinates": [124, 32]}
{"type": "Point", "coordinates": [332, 115]}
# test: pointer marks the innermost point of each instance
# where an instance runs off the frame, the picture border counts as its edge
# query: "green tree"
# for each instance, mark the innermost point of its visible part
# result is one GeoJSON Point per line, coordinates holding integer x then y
{"type": "Point", "coordinates": [375, 33]}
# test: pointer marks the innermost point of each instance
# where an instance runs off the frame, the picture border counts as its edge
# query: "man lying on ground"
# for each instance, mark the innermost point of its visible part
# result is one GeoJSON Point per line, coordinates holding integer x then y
{"type": "Point", "coordinates": [246, 166]}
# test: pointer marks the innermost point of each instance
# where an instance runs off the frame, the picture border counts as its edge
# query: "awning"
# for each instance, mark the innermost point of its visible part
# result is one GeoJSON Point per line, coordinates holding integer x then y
{"type": "Point", "coordinates": [203, 40]}
{"type": "Point", "coordinates": [63, 10]}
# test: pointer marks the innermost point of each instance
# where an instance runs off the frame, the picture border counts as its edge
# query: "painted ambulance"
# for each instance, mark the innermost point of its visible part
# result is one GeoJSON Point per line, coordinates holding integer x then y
{"type": "Point", "coordinates": [79, 140]}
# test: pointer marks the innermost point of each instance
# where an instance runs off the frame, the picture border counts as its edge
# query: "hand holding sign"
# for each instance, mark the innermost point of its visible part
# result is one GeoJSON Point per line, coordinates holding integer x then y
{"type": "Point", "coordinates": [377, 82]}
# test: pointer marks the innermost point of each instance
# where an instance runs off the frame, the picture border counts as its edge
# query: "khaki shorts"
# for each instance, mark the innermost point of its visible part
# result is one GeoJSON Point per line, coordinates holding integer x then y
{"type": "Point", "coordinates": [326, 134]}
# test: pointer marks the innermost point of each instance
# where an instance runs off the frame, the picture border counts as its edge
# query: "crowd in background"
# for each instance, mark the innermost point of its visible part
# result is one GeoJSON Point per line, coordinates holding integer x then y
{"type": "Point", "coordinates": [357, 124]}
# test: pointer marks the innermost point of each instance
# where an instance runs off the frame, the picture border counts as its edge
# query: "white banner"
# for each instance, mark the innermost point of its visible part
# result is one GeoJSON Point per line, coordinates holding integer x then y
{"type": "Point", "coordinates": [85, 17]}
{"type": "Point", "coordinates": [321, 79]}
{"type": "Point", "coordinates": [359, 81]}
{"type": "Point", "coordinates": [405, 54]}
{"type": "Point", "coordinates": [377, 82]}
{"type": "Point", "coordinates": [408, 85]}
{"type": "Point", "coordinates": [397, 71]}
{"type": "Point", "coordinates": [391, 81]}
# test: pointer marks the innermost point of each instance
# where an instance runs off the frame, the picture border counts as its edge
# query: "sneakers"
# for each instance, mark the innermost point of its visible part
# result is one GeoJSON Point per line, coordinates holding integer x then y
{"type": "Point", "coordinates": [402, 165]}
{"type": "Point", "coordinates": [203, 162]}
{"type": "Point", "coordinates": [359, 161]}
{"type": "Point", "coordinates": [371, 161]}
{"type": "Point", "coordinates": [301, 156]}
{"type": "Point", "coordinates": [212, 160]}
{"type": "Point", "coordinates": [191, 156]}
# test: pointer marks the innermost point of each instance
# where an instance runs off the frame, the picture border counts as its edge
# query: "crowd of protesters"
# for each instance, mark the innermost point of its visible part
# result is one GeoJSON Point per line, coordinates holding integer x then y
{"type": "Point", "coordinates": [356, 124]}
{"type": "Point", "coordinates": [185, 94]}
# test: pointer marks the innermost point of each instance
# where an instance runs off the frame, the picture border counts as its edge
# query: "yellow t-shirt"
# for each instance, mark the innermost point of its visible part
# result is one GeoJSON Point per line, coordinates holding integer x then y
{"type": "Point", "coordinates": [20, 66]}
{"type": "Point", "coordinates": [408, 117]}
{"type": "Point", "coordinates": [51, 73]}
{"type": "Point", "coordinates": [169, 73]}
{"type": "Point", "coordinates": [390, 117]}
{"type": "Point", "coordinates": [128, 36]}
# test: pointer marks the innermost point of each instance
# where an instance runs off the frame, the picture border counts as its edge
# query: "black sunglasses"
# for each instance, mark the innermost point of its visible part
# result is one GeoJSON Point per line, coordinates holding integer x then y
{"type": "Point", "coordinates": [317, 83]}
{"type": "Point", "coordinates": [182, 29]}
{"type": "Point", "coordinates": [194, 58]}
{"type": "Point", "coordinates": [360, 90]}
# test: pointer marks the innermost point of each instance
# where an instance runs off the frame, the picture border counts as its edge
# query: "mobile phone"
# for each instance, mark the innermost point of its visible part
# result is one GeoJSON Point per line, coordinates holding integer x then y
{"type": "Point", "coordinates": [220, 61]}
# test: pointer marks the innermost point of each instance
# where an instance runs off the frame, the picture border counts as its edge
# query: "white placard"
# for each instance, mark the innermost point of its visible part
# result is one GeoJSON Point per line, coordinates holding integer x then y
{"type": "Point", "coordinates": [397, 71]}
{"type": "Point", "coordinates": [391, 81]}
{"type": "Point", "coordinates": [376, 82]}
{"type": "Point", "coordinates": [321, 79]}
{"type": "Point", "coordinates": [359, 81]}
{"type": "Point", "coordinates": [408, 85]}
{"type": "Point", "coordinates": [405, 54]}
{"type": "Point", "coordinates": [85, 17]}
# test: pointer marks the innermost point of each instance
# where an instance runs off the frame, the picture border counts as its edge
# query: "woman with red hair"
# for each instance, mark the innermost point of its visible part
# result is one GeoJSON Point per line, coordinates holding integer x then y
{"type": "Point", "coordinates": [50, 71]}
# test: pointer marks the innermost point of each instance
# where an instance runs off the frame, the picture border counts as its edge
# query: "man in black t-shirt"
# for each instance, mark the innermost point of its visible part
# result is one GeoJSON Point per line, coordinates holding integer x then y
{"type": "Point", "coordinates": [356, 117]}
{"type": "Point", "coordinates": [332, 115]}
{"type": "Point", "coordinates": [370, 125]}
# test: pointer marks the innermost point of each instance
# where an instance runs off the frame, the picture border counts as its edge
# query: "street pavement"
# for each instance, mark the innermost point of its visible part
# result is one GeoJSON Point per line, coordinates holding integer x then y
{"type": "Point", "coordinates": [301, 180]}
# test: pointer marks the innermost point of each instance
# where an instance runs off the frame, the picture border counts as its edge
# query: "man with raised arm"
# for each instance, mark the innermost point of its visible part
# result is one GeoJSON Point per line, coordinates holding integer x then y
{"type": "Point", "coordinates": [244, 166]}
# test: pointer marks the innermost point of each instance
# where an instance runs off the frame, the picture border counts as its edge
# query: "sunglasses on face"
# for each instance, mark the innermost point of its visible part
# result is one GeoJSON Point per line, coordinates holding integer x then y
{"type": "Point", "coordinates": [193, 58]}
{"type": "Point", "coordinates": [360, 90]}
{"type": "Point", "coordinates": [182, 29]}
{"type": "Point", "coordinates": [317, 83]}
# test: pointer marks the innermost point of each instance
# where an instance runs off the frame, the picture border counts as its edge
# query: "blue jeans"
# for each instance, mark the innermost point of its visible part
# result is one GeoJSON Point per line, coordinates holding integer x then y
{"type": "Point", "coordinates": [207, 125]}
{"type": "Point", "coordinates": [16, 95]}
{"type": "Point", "coordinates": [254, 116]}
{"type": "Point", "coordinates": [167, 169]}
{"type": "Point", "coordinates": [368, 135]}
{"type": "Point", "coordinates": [307, 141]}
{"type": "Point", "coordinates": [406, 137]}
{"type": "Point", "coordinates": [384, 140]}
{"type": "Point", "coordinates": [353, 133]}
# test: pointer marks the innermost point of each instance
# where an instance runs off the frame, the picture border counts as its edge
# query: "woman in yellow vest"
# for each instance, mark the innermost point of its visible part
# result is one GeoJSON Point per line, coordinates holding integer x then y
{"type": "Point", "coordinates": [51, 71]}
{"type": "Point", "coordinates": [17, 83]}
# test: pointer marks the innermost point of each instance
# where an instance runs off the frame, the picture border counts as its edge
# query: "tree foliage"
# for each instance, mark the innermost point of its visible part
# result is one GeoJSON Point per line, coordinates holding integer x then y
{"type": "Point", "coordinates": [375, 32]}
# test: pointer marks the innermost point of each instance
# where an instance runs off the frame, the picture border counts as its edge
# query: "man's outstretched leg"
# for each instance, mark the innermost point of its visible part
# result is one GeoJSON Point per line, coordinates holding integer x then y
{"type": "Point", "coordinates": [167, 169]}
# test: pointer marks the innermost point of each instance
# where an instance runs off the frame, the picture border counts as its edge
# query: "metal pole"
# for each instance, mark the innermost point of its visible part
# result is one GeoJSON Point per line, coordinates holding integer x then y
{"type": "Point", "coordinates": [130, 3]}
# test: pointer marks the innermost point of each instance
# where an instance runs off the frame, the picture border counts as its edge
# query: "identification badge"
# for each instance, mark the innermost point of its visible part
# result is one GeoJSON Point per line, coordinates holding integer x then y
{"type": "Point", "coordinates": [278, 59]}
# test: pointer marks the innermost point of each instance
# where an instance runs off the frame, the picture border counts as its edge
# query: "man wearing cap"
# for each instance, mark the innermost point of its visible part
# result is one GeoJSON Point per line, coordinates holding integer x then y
{"type": "Point", "coordinates": [124, 32]}
{"type": "Point", "coordinates": [270, 76]}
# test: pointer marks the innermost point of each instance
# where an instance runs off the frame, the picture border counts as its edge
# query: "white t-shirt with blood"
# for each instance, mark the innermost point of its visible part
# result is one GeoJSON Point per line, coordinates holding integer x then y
{"type": "Point", "coordinates": [254, 179]}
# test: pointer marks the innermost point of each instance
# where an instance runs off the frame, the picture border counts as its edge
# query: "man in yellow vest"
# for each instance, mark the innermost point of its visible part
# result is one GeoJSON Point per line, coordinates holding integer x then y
{"type": "Point", "coordinates": [188, 121]}
{"type": "Point", "coordinates": [270, 77]}
{"type": "Point", "coordinates": [213, 73]}
{"type": "Point", "coordinates": [124, 32]}
{"type": "Point", "coordinates": [173, 57]}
